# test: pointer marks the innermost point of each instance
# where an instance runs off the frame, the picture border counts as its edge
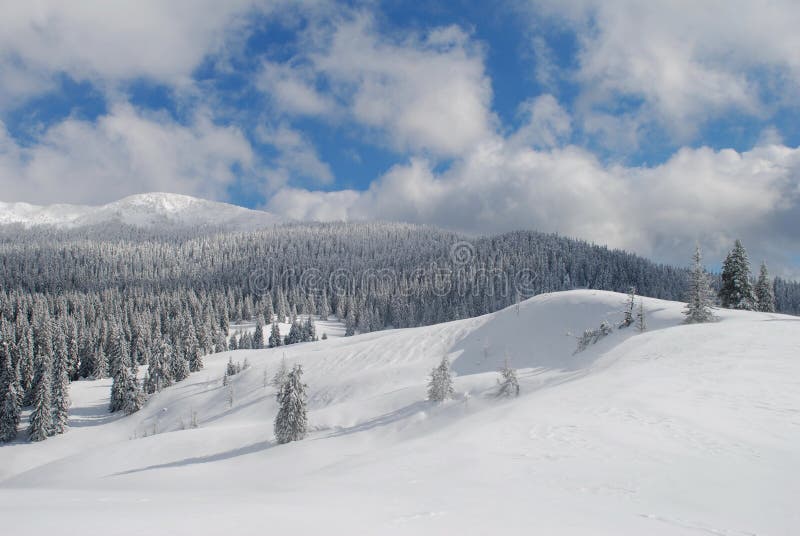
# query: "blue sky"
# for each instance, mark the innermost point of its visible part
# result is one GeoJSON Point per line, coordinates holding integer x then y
{"type": "Point", "coordinates": [647, 126]}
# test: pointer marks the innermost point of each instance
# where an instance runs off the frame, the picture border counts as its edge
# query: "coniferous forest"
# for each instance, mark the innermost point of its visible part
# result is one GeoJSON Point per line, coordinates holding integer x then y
{"type": "Point", "coordinates": [100, 302]}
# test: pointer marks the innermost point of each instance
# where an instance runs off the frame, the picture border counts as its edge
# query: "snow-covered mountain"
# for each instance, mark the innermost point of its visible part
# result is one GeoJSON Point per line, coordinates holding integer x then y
{"type": "Point", "coordinates": [680, 430]}
{"type": "Point", "coordinates": [142, 210]}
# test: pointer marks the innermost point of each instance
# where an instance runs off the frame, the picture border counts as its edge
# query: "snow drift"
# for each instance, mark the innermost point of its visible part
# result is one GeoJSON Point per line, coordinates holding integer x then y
{"type": "Point", "coordinates": [678, 430]}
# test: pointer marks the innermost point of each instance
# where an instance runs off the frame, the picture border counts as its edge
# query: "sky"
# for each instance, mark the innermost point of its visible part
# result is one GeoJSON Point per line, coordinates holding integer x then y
{"type": "Point", "coordinates": [647, 126]}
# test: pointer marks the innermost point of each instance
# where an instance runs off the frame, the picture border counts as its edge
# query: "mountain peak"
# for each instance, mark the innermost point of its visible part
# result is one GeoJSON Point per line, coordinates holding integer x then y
{"type": "Point", "coordinates": [148, 210]}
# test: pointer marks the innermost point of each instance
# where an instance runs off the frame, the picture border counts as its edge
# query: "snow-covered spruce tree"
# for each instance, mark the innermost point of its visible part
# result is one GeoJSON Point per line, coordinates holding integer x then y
{"type": "Point", "coordinates": [507, 384]}
{"type": "Point", "coordinates": [118, 365]}
{"type": "Point", "coordinates": [735, 291]}
{"type": "Point", "coordinates": [134, 398]}
{"type": "Point", "coordinates": [698, 306]}
{"type": "Point", "coordinates": [60, 394]}
{"type": "Point", "coordinates": [764, 291]}
{"type": "Point", "coordinates": [41, 418]}
{"type": "Point", "coordinates": [280, 375]}
{"type": "Point", "coordinates": [291, 420]}
{"type": "Point", "coordinates": [178, 366]}
{"type": "Point", "coordinates": [10, 395]}
{"type": "Point", "coordinates": [258, 336]}
{"type": "Point", "coordinates": [275, 336]}
{"type": "Point", "coordinates": [641, 321]}
{"type": "Point", "coordinates": [195, 358]}
{"type": "Point", "coordinates": [158, 372]}
{"type": "Point", "coordinates": [440, 385]}
{"type": "Point", "coordinates": [100, 364]}
{"type": "Point", "coordinates": [629, 306]}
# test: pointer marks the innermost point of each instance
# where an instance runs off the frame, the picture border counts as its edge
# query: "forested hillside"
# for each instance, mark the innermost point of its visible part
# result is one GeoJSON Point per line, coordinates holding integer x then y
{"type": "Point", "coordinates": [77, 292]}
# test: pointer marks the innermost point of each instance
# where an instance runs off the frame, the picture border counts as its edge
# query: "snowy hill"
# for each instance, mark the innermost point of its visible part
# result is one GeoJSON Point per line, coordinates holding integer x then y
{"type": "Point", "coordinates": [678, 430]}
{"type": "Point", "coordinates": [143, 210]}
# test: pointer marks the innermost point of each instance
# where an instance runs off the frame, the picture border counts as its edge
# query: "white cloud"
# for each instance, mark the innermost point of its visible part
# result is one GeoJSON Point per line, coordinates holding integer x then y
{"type": "Point", "coordinates": [292, 90]}
{"type": "Point", "coordinates": [547, 124]}
{"type": "Point", "coordinates": [423, 93]}
{"type": "Point", "coordinates": [714, 196]}
{"type": "Point", "coordinates": [122, 153]}
{"type": "Point", "coordinates": [111, 41]}
{"type": "Point", "coordinates": [687, 61]}
{"type": "Point", "coordinates": [296, 158]}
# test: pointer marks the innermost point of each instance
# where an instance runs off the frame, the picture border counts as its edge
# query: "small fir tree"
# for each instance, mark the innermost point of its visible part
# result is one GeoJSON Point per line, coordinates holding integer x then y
{"type": "Point", "coordinates": [10, 395]}
{"type": "Point", "coordinates": [735, 291]}
{"type": "Point", "coordinates": [507, 384]}
{"type": "Point", "coordinates": [641, 321]}
{"type": "Point", "coordinates": [41, 418]}
{"type": "Point", "coordinates": [698, 306]}
{"type": "Point", "coordinates": [764, 291]}
{"type": "Point", "coordinates": [440, 385]}
{"type": "Point", "coordinates": [291, 420]}
{"type": "Point", "coordinates": [60, 393]}
{"type": "Point", "coordinates": [275, 336]}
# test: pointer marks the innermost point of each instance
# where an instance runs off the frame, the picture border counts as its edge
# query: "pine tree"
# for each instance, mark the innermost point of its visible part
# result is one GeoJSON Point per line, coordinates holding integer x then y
{"type": "Point", "coordinates": [629, 308]}
{"type": "Point", "coordinates": [10, 395]}
{"type": "Point", "coordinates": [119, 371]}
{"type": "Point", "coordinates": [134, 398]}
{"type": "Point", "coordinates": [60, 394]}
{"type": "Point", "coordinates": [641, 321]}
{"type": "Point", "coordinates": [698, 307]}
{"type": "Point", "coordinates": [507, 385]}
{"type": "Point", "coordinates": [275, 336]}
{"type": "Point", "coordinates": [764, 291]}
{"type": "Point", "coordinates": [735, 290]}
{"type": "Point", "coordinates": [291, 420]}
{"type": "Point", "coordinates": [258, 336]}
{"type": "Point", "coordinates": [440, 385]}
{"type": "Point", "coordinates": [158, 372]}
{"type": "Point", "coordinates": [178, 366]}
{"type": "Point", "coordinates": [41, 418]}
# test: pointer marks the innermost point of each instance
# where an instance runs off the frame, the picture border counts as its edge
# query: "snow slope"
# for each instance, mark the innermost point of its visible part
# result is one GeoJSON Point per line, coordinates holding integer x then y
{"type": "Point", "coordinates": [143, 210]}
{"type": "Point", "coordinates": [680, 430]}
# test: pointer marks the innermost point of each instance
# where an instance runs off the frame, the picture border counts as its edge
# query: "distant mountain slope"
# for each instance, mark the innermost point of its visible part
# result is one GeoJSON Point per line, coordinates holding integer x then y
{"type": "Point", "coordinates": [142, 210]}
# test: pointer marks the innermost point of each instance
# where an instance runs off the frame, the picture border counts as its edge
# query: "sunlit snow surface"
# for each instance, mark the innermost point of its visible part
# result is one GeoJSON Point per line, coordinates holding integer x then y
{"type": "Point", "coordinates": [680, 430]}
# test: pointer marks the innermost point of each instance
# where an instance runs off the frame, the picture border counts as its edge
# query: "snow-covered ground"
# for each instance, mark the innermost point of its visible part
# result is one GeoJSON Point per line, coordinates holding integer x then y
{"type": "Point", "coordinates": [680, 430]}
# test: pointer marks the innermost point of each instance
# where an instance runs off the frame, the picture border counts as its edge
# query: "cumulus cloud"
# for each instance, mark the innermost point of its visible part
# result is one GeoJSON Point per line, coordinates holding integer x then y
{"type": "Point", "coordinates": [292, 88]}
{"type": "Point", "coordinates": [123, 152]}
{"type": "Point", "coordinates": [111, 41]}
{"type": "Point", "coordinates": [296, 157]}
{"type": "Point", "coordinates": [424, 92]}
{"type": "Point", "coordinates": [686, 61]}
{"type": "Point", "coordinates": [698, 194]}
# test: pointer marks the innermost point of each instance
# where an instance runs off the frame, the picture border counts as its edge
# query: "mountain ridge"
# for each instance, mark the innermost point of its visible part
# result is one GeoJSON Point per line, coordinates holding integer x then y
{"type": "Point", "coordinates": [140, 210]}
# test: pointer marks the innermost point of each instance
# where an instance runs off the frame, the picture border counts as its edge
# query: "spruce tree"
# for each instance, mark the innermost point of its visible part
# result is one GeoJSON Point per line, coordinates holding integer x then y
{"type": "Point", "coordinates": [258, 336]}
{"type": "Point", "coordinates": [119, 371]}
{"type": "Point", "coordinates": [10, 395]}
{"type": "Point", "coordinates": [178, 366]}
{"type": "Point", "coordinates": [641, 321]}
{"type": "Point", "coordinates": [275, 336]}
{"type": "Point", "coordinates": [764, 291]}
{"type": "Point", "coordinates": [41, 418]}
{"type": "Point", "coordinates": [291, 420]}
{"type": "Point", "coordinates": [698, 306]}
{"type": "Point", "coordinates": [507, 385]}
{"type": "Point", "coordinates": [158, 372]}
{"type": "Point", "coordinates": [735, 291]}
{"type": "Point", "coordinates": [440, 385]}
{"type": "Point", "coordinates": [60, 394]}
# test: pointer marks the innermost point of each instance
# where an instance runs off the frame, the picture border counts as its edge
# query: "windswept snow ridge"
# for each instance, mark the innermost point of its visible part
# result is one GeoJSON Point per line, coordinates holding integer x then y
{"type": "Point", "coordinates": [680, 430]}
{"type": "Point", "coordinates": [143, 210]}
